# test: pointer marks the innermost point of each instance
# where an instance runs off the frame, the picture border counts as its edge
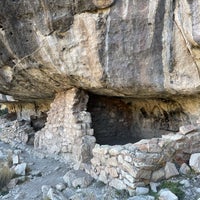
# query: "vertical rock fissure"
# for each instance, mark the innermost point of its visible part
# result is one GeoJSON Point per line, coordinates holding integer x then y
{"type": "Point", "coordinates": [157, 44]}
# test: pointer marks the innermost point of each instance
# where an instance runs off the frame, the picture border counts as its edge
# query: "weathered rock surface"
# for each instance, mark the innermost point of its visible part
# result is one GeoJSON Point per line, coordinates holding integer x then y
{"type": "Point", "coordinates": [166, 194]}
{"type": "Point", "coordinates": [170, 170]}
{"type": "Point", "coordinates": [195, 162]}
{"type": "Point", "coordinates": [20, 169]}
{"type": "Point", "coordinates": [142, 190]}
{"type": "Point", "coordinates": [121, 48]}
{"type": "Point", "coordinates": [77, 178]}
{"type": "Point", "coordinates": [184, 169]}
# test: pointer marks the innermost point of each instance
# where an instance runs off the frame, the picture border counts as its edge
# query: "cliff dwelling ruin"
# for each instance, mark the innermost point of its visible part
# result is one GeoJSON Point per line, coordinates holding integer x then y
{"type": "Point", "coordinates": [111, 86]}
{"type": "Point", "coordinates": [123, 142]}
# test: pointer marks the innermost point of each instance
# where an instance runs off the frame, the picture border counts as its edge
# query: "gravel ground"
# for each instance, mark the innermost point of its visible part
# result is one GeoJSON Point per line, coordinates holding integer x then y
{"type": "Point", "coordinates": [53, 171]}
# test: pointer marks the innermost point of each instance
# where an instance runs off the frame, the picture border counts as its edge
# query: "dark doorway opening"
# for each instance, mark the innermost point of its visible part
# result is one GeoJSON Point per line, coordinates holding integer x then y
{"type": "Point", "coordinates": [118, 121]}
{"type": "Point", "coordinates": [111, 120]}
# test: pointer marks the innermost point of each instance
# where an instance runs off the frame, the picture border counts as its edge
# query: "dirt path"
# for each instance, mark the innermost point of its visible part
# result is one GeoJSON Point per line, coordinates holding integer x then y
{"type": "Point", "coordinates": [51, 170]}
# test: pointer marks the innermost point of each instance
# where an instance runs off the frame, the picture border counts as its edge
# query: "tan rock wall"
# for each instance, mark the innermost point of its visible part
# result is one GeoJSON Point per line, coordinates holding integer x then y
{"type": "Point", "coordinates": [132, 165]}
{"type": "Point", "coordinates": [67, 131]}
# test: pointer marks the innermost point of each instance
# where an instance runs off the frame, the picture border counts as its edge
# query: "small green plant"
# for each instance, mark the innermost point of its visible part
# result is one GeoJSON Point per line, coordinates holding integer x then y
{"type": "Point", "coordinates": [154, 194]}
{"type": "Point", "coordinates": [3, 111]}
{"type": "Point", "coordinates": [173, 187]}
{"type": "Point", "coordinates": [5, 176]}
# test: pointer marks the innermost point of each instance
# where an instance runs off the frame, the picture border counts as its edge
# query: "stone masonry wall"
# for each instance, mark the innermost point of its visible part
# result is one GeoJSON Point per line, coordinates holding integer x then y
{"type": "Point", "coordinates": [132, 165]}
{"type": "Point", "coordinates": [67, 131]}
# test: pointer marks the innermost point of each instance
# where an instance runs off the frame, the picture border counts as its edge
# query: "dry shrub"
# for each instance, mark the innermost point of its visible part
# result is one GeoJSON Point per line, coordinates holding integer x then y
{"type": "Point", "coordinates": [5, 176]}
{"type": "Point", "coordinates": [9, 160]}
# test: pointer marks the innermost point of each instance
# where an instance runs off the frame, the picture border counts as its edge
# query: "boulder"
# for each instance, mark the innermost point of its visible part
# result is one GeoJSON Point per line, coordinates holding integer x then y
{"type": "Point", "coordinates": [166, 194]}
{"type": "Point", "coordinates": [154, 186]}
{"type": "Point", "coordinates": [184, 169]}
{"type": "Point", "coordinates": [142, 190]}
{"type": "Point", "coordinates": [158, 175]}
{"type": "Point", "coordinates": [55, 195]}
{"type": "Point", "coordinates": [170, 170]}
{"type": "Point", "coordinates": [194, 162]}
{"type": "Point", "coordinates": [20, 169]}
{"type": "Point", "coordinates": [77, 178]}
{"type": "Point", "coordinates": [60, 186]}
{"type": "Point", "coordinates": [45, 189]}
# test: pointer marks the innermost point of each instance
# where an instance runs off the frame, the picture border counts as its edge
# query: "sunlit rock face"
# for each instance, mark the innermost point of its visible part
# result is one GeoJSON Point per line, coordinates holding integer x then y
{"type": "Point", "coordinates": [116, 48]}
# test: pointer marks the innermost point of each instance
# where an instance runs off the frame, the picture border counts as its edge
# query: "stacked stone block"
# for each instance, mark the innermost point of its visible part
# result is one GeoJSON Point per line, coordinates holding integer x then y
{"type": "Point", "coordinates": [132, 165]}
{"type": "Point", "coordinates": [67, 131]}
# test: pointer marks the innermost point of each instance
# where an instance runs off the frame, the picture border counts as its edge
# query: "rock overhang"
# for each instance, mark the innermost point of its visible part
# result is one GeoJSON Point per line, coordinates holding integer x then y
{"type": "Point", "coordinates": [126, 49]}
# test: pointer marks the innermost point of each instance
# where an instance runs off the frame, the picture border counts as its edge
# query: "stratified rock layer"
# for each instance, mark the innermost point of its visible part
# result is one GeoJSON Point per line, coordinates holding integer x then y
{"type": "Point", "coordinates": [121, 48]}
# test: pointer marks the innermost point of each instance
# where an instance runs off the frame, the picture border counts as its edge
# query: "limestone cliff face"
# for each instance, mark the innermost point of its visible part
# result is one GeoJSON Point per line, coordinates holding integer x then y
{"type": "Point", "coordinates": [129, 48]}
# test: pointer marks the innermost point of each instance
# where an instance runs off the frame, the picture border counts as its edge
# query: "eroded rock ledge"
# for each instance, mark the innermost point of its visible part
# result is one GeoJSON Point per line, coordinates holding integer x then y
{"type": "Point", "coordinates": [122, 48]}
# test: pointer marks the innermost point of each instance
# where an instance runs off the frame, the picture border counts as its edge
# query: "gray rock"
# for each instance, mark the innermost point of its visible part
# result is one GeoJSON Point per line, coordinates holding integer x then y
{"type": "Point", "coordinates": [166, 194]}
{"type": "Point", "coordinates": [36, 173]}
{"type": "Point", "coordinates": [133, 79]}
{"type": "Point", "coordinates": [142, 197]}
{"type": "Point", "coordinates": [184, 169]}
{"type": "Point", "coordinates": [154, 186]}
{"type": "Point", "coordinates": [187, 129]}
{"type": "Point", "coordinates": [20, 169]}
{"type": "Point", "coordinates": [118, 184]}
{"type": "Point", "coordinates": [195, 162]}
{"type": "Point", "coordinates": [158, 175]}
{"type": "Point", "coordinates": [68, 192]}
{"type": "Point", "coordinates": [77, 178]}
{"type": "Point", "coordinates": [170, 170]}
{"type": "Point", "coordinates": [13, 182]}
{"type": "Point", "coordinates": [185, 183]}
{"type": "Point", "coordinates": [197, 190]}
{"type": "Point", "coordinates": [60, 186]}
{"type": "Point", "coordinates": [15, 159]}
{"type": "Point", "coordinates": [45, 189]}
{"type": "Point", "coordinates": [55, 195]}
{"type": "Point", "coordinates": [142, 190]}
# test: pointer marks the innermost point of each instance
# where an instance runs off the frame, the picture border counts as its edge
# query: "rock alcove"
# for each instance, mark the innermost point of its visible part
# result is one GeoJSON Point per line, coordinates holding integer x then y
{"type": "Point", "coordinates": [123, 142]}
{"type": "Point", "coordinates": [118, 121]}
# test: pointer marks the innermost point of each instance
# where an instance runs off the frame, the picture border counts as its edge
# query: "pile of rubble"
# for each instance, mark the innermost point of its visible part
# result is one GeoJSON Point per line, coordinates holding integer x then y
{"type": "Point", "coordinates": [14, 131]}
